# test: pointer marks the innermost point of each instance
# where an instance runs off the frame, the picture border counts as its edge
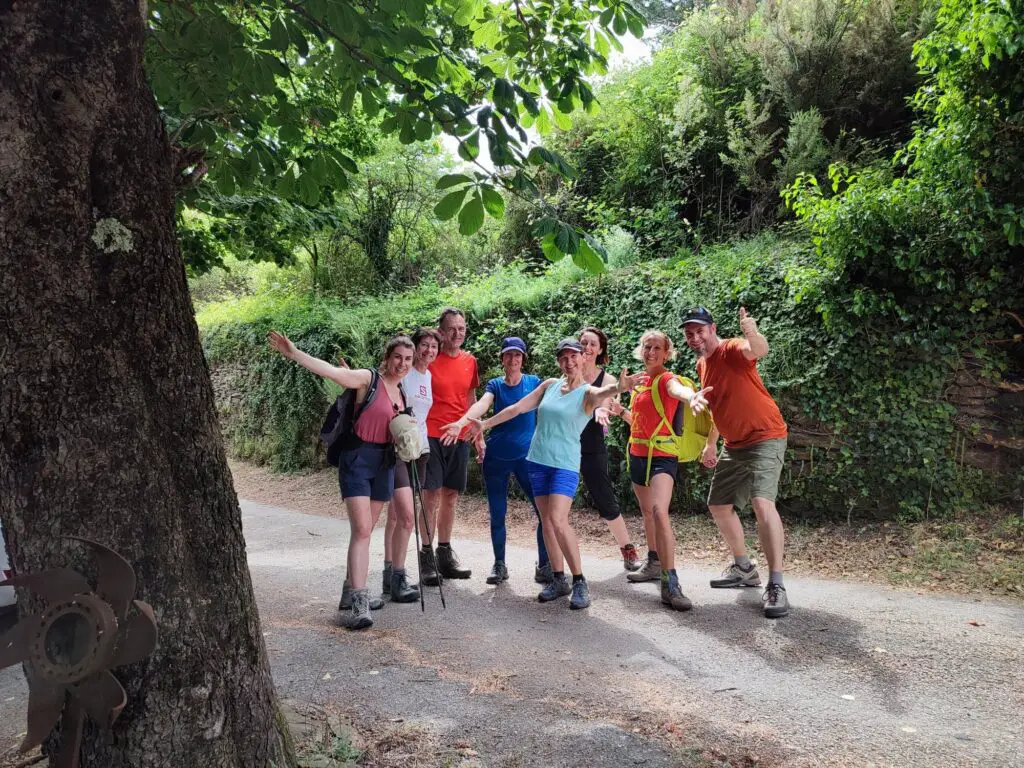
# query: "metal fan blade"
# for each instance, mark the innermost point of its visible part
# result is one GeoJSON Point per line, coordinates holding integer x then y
{"type": "Point", "coordinates": [45, 702]}
{"type": "Point", "coordinates": [116, 580]}
{"type": "Point", "coordinates": [102, 696]}
{"type": "Point", "coordinates": [14, 644]}
{"type": "Point", "coordinates": [137, 636]}
{"type": "Point", "coordinates": [54, 586]}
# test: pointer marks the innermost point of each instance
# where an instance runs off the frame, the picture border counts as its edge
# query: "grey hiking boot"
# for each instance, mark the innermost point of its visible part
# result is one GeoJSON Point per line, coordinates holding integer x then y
{"type": "Point", "coordinates": [360, 617]}
{"type": "Point", "coordinates": [631, 558]}
{"type": "Point", "coordinates": [734, 576]}
{"type": "Point", "coordinates": [650, 572]}
{"type": "Point", "coordinates": [559, 587]}
{"type": "Point", "coordinates": [498, 574]}
{"type": "Point", "coordinates": [672, 594]}
{"type": "Point", "coordinates": [543, 574]}
{"type": "Point", "coordinates": [401, 590]}
{"type": "Point", "coordinates": [428, 570]}
{"type": "Point", "coordinates": [346, 599]}
{"type": "Point", "coordinates": [448, 564]}
{"type": "Point", "coordinates": [776, 604]}
{"type": "Point", "coordinates": [580, 595]}
{"type": "Point", "coordinates": [388, 570]}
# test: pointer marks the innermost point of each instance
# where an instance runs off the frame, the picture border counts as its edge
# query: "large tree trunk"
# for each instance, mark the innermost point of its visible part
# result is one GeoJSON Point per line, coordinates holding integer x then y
{"type": "Point", "coordinates": [107, 422]}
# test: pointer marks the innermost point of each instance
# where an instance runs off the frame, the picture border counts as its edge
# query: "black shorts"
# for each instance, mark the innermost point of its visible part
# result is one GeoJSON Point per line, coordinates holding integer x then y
{"type": "Point", "coordinates": [447, 466]}
{"type": "Point", "coordinates": [594, 469]}
{"type": "Point", "coordinates": [367, 470]}
{"type": "Point", "coordinates": [660, 465]}
{"type": "Point", "coordinates": [402, 479]}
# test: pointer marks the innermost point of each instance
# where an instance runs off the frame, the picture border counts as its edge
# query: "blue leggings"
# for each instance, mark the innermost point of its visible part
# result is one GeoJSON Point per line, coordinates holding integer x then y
{"type": "Point", "coordinates": [496, 473]}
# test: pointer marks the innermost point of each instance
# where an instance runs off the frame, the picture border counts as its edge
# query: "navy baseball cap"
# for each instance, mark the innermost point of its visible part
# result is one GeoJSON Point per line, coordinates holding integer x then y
{"type": "Point", "coordinates": [512, 344]}
{"type": "Point", "coordinates": [568, 345]}
{"type": "Point", "coordinates": [697, 316]}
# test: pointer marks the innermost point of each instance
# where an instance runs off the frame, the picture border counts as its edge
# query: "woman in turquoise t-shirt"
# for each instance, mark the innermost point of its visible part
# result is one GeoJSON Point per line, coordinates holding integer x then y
{"type": "Point", "coordinates": [505, 452]}
{"type": "Point", "coordinates": [564, 407]}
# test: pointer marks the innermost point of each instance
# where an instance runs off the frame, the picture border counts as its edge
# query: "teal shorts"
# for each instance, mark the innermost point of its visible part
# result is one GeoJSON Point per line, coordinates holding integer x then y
{"type": "Point", "coordinates": [745, 473]}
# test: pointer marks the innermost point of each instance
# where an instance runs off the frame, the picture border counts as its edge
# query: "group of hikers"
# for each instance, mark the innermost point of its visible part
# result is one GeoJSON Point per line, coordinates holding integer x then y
{"type": "Point", "coordinates": [550, 434]}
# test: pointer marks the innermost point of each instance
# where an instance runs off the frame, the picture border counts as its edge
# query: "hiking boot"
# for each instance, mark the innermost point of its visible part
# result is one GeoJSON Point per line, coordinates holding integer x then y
{"type": "Point", "coordinates": [386, 589]}
{"type": "Point", "coordinates": [734, 576]}
{"type": "Point", "coordinates": [672, 594]}
{"type": "Point", "coordinates": [448, 564]}
{"type": "Point", "coordinates": [580, 595]}
{"type": "Point", "coordinates": [543, 574]}
{"type": "Point", "coordinates": [776, 604]}
{"type": "Point", "coordinates": [428, 571]}
{"type": "Point", "coordinates": [630, 558]}
{"type": "Point", "coordinates": [346, 599]}
{"type": "Point", "coordinates": [401, 590]}
{"type": "Point", "coordinates": [651, 571]}
{"type": "Point", "coordinates": [360, 617]}
{"type": "Point", "coordinates": [499, 573]}
{"type": "Point", "coordinates": [559, 587]}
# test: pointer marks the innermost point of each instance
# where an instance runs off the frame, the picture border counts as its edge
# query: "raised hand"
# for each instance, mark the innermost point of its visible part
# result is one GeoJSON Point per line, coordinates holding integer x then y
{"type": "Point", "coordinates": [602, 416]}
{"type": "Point", "coordinates": [615, 407]}
{"type": "Point", "coordinates": [747, 324]}
{"type": "Point", "coordinates": [281, 343]}
{"type": "Point", "coordinates": [699, 401]}
{"type": "Point", "coordinates": [450, 432]}
{"type": "Point", "coordinates": [627, 382]}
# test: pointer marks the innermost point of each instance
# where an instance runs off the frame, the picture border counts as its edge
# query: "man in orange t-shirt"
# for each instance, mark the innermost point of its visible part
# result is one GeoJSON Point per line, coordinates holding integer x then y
{"type": "Point", "coordinates": [454, 380]}
{"type": "Point", "coordinates": [755, 434]}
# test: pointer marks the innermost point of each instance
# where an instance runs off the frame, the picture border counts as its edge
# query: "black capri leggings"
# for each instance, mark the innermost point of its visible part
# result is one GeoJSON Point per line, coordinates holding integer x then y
{"type": "Point", "coordinates": [594, 470]}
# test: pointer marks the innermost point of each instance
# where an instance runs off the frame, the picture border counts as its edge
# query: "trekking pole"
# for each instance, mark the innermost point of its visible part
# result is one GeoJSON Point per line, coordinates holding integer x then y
{"type": "Point", "coordinates": [426, 527]}
{"type": "Point", "coordinates": [410, 465]}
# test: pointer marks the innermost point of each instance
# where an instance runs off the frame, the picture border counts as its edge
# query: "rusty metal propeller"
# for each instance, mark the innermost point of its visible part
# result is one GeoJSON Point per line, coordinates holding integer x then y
{"type": "Point", "coordinates": [69, 649]}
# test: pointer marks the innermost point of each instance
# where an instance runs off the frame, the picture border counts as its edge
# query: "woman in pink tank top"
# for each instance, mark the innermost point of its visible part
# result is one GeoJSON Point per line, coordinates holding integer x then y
{"type": "Point", "coordinates": [366, 469]}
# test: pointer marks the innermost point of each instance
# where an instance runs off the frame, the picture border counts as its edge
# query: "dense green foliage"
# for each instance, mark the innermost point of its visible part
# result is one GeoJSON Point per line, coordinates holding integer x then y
{"type": "Point", "coordinates": [892, 302]}
{"type": "Point", "coordinates": [271, 100]}
{"type": "Point", "coordinates": [697, 145]}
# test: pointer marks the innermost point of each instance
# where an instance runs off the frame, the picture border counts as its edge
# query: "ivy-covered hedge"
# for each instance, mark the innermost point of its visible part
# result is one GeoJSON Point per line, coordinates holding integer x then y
{"type": "Point", "coordinates": [874, 428]}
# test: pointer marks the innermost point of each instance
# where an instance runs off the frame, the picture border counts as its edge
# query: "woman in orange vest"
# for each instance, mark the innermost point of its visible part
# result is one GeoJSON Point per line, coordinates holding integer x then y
{"type": "Point", "coordinates": [653, 471]}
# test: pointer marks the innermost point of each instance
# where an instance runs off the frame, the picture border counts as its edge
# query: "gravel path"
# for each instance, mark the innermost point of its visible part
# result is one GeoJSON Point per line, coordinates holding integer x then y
{"type": "Point", "coordinates": [854, 676]}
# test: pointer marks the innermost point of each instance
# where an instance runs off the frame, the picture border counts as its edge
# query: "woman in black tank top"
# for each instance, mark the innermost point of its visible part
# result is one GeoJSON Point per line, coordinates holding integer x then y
{"type": "Point", "coordinates": [594, 458]}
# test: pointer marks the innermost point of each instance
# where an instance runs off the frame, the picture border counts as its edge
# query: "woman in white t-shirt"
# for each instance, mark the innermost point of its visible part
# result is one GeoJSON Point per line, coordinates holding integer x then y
{"type": "Point", "coordinates": [419, 395]}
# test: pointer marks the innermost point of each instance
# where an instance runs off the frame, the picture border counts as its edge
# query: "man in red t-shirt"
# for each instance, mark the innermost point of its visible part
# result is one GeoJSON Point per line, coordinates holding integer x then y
{"type": "Point", "coordinates": [454, 379]}
{"type": "Point", "coordinates": [755, 434]}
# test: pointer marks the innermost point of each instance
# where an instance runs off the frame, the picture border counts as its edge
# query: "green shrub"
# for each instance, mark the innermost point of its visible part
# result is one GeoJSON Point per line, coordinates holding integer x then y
{"type": "Point", "coordinates": [870, 434]}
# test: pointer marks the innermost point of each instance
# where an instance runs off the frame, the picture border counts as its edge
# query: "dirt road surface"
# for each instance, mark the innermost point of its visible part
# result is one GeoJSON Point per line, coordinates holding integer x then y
{"type": "Point", "coordinates": [856, 675]}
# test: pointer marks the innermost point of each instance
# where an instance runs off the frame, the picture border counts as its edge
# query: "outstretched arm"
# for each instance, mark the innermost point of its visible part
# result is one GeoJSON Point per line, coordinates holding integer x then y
{"type": "Point", "coordinates": [597, 395]}
{"type": "Point", "coordinates": [476, 410]}
{"type": "Point", "coordinates": [527, 404]}
{"type": "Point", "coordinates": [348, 378]}
{"type": "Point", "coordinates": [697, 400]}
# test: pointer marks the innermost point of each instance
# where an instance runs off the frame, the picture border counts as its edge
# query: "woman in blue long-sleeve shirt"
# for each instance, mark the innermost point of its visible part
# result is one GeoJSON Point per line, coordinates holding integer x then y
{"type": "Point", "coordinates": [506, 449]}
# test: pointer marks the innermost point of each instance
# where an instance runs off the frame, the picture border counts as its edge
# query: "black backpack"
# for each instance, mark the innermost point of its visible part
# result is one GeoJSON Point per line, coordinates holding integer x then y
{"type": "Point", "coordinates": [338, 431]}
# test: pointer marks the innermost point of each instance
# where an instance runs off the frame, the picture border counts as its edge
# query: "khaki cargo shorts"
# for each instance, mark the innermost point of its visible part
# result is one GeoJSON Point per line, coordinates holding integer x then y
{"type": "Point", "coordinates": [745, 473]}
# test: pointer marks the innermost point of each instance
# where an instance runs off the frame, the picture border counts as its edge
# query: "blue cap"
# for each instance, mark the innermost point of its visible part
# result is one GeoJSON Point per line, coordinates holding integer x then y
{"type": "Point", "coordinates": [512, 344]}
{"type": "Point", "coordinates": [571, 345]}
{"type": "Point", "coordinates": [697, 316]}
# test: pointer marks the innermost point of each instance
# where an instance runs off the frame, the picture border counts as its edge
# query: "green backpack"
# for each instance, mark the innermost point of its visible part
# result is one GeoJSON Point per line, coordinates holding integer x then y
{"type": "Point", "coordinates": [688, 434]}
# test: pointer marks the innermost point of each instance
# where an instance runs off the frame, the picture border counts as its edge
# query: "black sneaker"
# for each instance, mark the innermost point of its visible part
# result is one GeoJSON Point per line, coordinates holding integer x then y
{"type": "Point", "coordinates": [448, 564]}
{"type": "Point", "coordinates": [428, 569]}
{"type": "Point", "coordinates": [499, 573]}
{"type": "Point", "coordinates": [543, 574]}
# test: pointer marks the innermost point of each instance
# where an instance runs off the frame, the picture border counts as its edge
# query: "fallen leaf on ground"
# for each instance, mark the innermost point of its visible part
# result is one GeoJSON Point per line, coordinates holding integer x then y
{"type": "Point", "coordinates": [976, 623]}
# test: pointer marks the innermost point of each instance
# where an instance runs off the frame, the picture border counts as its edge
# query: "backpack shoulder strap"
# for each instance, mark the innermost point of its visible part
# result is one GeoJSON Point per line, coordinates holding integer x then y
{"type": "Point", "coordinates": [371, 392]}
{"type": "Point", "coordinates": [659, 406]}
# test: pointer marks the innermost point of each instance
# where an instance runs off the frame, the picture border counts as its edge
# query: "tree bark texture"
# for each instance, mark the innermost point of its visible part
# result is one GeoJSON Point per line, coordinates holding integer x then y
{"type": "Point", "coordinates": [107, 421]}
